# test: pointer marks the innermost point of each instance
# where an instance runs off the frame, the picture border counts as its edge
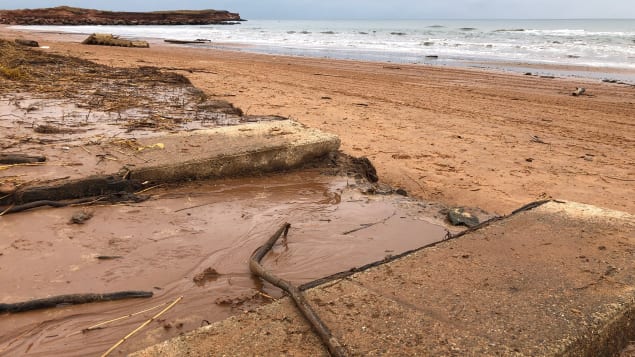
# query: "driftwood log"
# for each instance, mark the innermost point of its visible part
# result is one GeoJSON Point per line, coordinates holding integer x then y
{"type": "Point", "coordinates": [104, 39]}
{"type": "Point", "coordinates": [28, 43]}
{"type": "Point", "coordinates": [183, 42]}
{"type": "Point", "coordinates": [36, 204]}
{"type": "Point", "coordinates": [332, 344]}
{"type": "Point", "coordinates": [73, 299]}
{"type": "Point", "coordinates": [13, 159]}
{"type": "Point", "coordinates": [111, 198]}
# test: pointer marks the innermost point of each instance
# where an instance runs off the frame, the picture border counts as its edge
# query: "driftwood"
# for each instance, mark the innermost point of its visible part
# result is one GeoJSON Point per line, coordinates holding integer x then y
{"type": "Point", "coordinates": [111, 198]}
{"type": "Point", "coordinates": [12, 159]}
{"type": "Point", "coordinates": [111, 40]}
{"type": "Point", "coordinates": [73, 299]}
{"type": "Point", "coordinates": [333, 345]}
{"type": "Point", "coordinates": [28, 43]}
{"type": "Point", "coordinates": [183, 42]}
{"type": "Point", "coordinates": [141, 327]}
{"type": "Point", "coordinates": [36, 204]}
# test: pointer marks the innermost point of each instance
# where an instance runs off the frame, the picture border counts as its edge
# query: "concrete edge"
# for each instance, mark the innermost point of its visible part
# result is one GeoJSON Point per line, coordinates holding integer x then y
{"type": "Point", "coordinates": [306, 144]}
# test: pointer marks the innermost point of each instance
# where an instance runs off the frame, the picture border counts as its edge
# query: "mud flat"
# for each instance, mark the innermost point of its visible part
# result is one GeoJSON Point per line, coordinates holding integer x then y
{"type": "Point", "coordinates": [555, 280]}
{"type": "Point", "coordinates": [192, 240]}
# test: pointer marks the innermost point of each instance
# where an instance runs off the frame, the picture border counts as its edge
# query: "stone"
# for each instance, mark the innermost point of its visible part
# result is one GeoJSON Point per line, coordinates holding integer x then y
{"type": "Point", "coordinates": [458, 216]}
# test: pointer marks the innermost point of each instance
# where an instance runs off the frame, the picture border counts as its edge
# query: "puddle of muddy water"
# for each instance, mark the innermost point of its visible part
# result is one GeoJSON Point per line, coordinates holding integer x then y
{"type": "Point", "coordinates": [194, 241]}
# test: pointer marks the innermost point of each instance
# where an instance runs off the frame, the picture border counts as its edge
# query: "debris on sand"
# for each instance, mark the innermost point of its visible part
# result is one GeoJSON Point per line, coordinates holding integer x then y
{"type": "Point", "coordinates": [28, 43]}
{"type": "Point", "coordinates": [578, 91]}
{"type": "Point", "coordinates": [184, 42]}
{"type": "Point", "coordinates": [459, 216]}
{"type": "Point", "coordinates": [209, 274]}
{"type": "Point", "coordinates": [52, 129]}
{"type": "Point", "coordinates": [81, 217]}
{"type": "Point", "coordinates": [17, 158]}
{"type": "Point", "coordinates": [112, 40]}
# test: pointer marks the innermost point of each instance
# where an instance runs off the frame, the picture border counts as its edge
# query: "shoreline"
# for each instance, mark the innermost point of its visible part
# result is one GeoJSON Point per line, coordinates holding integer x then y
{"type": "Point", "coordinates": [580, 72]}
{"type": "Point", "coordinates": [453, 135]}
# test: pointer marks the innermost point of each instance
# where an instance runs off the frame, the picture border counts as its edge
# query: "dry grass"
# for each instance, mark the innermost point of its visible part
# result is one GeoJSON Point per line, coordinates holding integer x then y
{"type": "Point", "coordinates": [144, 98]}
{"type": "Point", "coordinates": [14, 74]}
{"type": "Point", "coordinates": [100, 87]}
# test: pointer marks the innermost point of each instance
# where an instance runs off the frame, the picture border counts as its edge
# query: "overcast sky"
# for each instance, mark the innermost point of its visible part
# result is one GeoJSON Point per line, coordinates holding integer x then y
{"type": "Point", "coordinates": [368, 9]}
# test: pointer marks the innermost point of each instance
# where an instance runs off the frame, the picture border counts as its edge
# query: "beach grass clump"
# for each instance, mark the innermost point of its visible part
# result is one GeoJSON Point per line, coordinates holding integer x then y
{"type": "Point", "coordinates": [13, 73]}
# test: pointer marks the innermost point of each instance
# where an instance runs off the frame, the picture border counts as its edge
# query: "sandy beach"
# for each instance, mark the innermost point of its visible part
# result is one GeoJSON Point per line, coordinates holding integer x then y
{"type": "Point", "coordinates": [458, 136]}
{"type": "Point", "coordinates": [488, 140]}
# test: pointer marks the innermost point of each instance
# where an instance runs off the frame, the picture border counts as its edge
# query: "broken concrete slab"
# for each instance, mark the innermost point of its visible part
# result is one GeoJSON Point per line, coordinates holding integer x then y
{"type": "Point", "coordinates": [556, 280]}
{"type": "Point", "coordinates": [118, 165]}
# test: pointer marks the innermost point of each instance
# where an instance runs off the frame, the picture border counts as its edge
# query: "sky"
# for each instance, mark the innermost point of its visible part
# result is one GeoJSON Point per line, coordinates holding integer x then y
{"type": "Point", "coordinates": [368, 9]}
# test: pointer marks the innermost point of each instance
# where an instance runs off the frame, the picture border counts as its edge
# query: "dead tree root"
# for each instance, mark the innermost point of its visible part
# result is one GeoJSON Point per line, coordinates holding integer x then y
{"type": "Point", "coordinates": [331, 343]}
{"type": "Point", "coordinates": [36, 204]}
{"type": "Point", "coordinates": [73, 299]}
{"type": "Point", "coordinates": [112, 198]}
{"type": "Point", "coordinates": [16, 159]}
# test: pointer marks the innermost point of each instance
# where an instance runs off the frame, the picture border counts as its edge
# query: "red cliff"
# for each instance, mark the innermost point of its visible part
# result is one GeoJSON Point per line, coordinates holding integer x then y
{"type": "Point", "coordinates": [65, 15]}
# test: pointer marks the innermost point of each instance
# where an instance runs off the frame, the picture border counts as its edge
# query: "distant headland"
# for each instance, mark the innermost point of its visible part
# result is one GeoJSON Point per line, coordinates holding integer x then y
{"type": "Point", "coordinates": [65, 15]}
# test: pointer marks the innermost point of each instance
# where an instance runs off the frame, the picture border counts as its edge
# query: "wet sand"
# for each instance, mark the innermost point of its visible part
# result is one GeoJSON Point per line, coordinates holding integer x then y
{"type": "Point", "coordinates": [463, 137]}
{"type": "Point", "coordinates": [206, 225]}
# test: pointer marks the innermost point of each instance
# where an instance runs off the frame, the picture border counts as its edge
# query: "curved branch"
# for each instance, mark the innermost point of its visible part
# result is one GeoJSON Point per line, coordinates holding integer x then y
{"type": "Point", "coordinates": [72, 299]}
{"type": "Point", "coordinates": [333, 345]}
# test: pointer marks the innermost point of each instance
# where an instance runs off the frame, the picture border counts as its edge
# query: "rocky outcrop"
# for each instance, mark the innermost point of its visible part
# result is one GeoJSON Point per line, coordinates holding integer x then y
{"type": "Point", "coordinates": [65, 15]}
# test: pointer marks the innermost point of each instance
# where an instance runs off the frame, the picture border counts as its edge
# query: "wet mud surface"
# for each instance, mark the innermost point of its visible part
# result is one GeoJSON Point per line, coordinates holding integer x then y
{"type": "Point", "coordinates": [55, 106]}
{"type": "Point", "coordinates": [62, 98]}
{"type": "Point", "coordinates": [194, 240]}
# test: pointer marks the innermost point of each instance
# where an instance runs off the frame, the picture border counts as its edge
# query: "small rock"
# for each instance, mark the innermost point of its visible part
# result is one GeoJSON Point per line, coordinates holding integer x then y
{"type": "Point", "coordinates": [458, 216]}
{"type": "Point", "coordinates": [81, 217]}
{"type": "Point", "coordinates": [578, 91]}
{"type": "Point", "coordinates": [401, 191]}
{"type": "Point", "coordinates": [382, 189]}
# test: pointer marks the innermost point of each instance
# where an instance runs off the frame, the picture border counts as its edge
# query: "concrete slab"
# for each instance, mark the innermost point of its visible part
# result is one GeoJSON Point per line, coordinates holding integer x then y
{"type": "Point", "coordinates": [556, 280]}
{"type": "Point", "coordinates": [114, 165]}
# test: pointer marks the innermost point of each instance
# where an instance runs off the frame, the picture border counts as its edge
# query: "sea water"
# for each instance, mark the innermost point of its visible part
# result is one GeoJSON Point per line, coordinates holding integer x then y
{"type": "Point", "coordinates": [589, 43]}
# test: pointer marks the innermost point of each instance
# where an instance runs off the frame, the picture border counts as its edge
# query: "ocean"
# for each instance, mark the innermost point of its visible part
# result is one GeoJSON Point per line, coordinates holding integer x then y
{"type": "Point", "coordinates": [598, 45]}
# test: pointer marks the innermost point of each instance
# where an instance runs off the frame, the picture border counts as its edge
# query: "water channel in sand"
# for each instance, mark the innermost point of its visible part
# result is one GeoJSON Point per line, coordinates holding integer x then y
{"type": "Point", "coordinates": [168, 241]}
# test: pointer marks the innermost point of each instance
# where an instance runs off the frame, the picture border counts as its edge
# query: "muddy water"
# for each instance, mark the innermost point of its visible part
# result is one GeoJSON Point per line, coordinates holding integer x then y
{"type": "Point", "coordinates": [169, 240]}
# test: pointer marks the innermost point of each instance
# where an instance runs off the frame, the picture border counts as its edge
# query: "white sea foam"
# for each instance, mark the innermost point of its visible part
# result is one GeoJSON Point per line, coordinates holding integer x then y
{"type": "Point", "coordinates": [600, 43]}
